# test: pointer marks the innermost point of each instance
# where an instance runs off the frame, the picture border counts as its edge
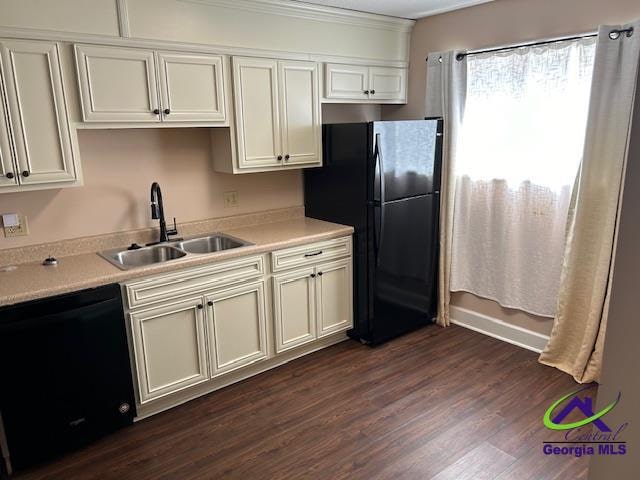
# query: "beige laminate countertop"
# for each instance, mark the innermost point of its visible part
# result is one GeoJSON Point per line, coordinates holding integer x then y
{"type": "Point", "coordinates": [30, 281]}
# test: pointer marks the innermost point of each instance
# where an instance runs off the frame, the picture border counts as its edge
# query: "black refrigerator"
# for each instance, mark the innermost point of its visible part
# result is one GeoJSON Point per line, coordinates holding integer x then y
{"type": "Point", "coordinates": [383, 178]}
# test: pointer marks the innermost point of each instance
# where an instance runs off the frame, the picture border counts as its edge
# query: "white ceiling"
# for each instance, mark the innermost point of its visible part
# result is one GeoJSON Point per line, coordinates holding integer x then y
{"type": "Point", "coordinates": [400, 8]}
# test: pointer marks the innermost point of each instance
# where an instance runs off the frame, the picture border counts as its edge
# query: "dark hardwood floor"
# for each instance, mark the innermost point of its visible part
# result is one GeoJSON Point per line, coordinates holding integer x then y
{"type": "Point", "coordinates": [437, 403]}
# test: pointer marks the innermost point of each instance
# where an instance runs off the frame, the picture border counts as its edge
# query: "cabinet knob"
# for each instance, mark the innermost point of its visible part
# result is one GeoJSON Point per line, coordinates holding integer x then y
{"type": "Point", "coordinates": [9, 175]}
{"type": "Point", "coordinates": [167, 111]}
{"type": "Point", "coordinates": [373, 92]}
{"type": "Point", "coordinates": [366, 92]}
{"type": "Point", "coordinates": [200, 306]}
{"type": "Point", "coordinates": [210, 303]}
{"type": "Point", "coordinates": [26, 173]}
{"type": "Point", "coordinates": [313, 275]}
{"type": "Point", "coordinates": [279, 158]}
{"type": "Point", "coordinates": [286, 157]}
{"type": "Point", "coordinates": [156, 112]}
{"type": "Point", "coordinates": [319, 274]}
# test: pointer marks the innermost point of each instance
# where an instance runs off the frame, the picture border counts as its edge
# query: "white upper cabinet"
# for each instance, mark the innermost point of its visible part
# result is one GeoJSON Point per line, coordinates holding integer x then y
{"type": "Point", "coordinates": [117, 84]}
{"type": "Point", "coordinates": [347, 82]}
{"type": "Point", "coordinates": [355, 83]}
{"type": "Point", "coordinates": [386, 83]}
{"type": "Point", "coordinates": [121, 85]}
{"type": "Point", "coordinates": [277, 107]}
{"type": "Point", "coordinates": [37, 111]}
{"type": "Point", "coordinates": [301, 131]}
{"type": "Point", "coordinates": [255, 88]}
{"type": "Point", "coordinates": [8, 169]}
{"type": "Point", "coordinates": [191, 87]}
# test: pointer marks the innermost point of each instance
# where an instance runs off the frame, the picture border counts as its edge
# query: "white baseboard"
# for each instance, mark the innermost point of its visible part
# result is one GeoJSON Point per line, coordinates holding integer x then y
{"type": "Point", "coordinates": [498, 329]}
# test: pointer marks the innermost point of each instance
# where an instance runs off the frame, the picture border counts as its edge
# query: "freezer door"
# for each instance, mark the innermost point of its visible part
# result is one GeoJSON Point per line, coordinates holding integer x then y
{"type": "Point", "coordinates": [407, 151]}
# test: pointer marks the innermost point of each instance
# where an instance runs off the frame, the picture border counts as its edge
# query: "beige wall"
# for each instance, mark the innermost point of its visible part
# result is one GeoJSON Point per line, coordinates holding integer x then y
{"type": "Point", "coordinates": [340, 113]}
{"type": "Point", "coordinates": [621, 362]}
{"type": "Point", "coordinates": [492, 24]}
{"type": "Point", "coordinates": [119, 167]}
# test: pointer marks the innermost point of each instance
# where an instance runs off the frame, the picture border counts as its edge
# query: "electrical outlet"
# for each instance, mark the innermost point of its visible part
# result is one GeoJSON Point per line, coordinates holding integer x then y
{"type": "Point", "coordinates": [19, 230]}
{"type": "Point", "coordinates": [231, 199]}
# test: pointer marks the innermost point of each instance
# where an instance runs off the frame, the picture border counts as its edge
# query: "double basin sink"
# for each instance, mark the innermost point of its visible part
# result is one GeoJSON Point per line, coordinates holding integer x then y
{"type": "Point", "coordinates": [164, 252]}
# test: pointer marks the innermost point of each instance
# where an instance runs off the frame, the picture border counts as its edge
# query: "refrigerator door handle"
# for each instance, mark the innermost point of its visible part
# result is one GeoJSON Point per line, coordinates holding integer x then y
{"type": "Point", "coordinates": [380, 230]}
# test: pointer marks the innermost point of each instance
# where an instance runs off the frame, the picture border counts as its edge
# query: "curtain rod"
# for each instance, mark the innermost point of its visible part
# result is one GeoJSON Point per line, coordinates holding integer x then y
{"type": "Point", "coordinates": [613, 35]}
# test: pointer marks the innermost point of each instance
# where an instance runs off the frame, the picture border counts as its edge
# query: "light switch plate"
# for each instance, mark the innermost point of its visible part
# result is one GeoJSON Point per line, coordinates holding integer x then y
{"type": "Point", "coordinates": [231, 199]}
{"type": "Point", "coordinates": [19, 230]}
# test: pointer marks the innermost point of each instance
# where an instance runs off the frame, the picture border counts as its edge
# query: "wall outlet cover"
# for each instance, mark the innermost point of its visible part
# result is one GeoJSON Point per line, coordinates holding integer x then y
{"type": "Point", "coordinates": [19, 230]}
{"type": "Point", "coordinates": [231, 199]}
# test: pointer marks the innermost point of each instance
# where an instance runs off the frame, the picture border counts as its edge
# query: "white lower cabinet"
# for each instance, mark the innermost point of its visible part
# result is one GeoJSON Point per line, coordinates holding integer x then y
{"type": "Point", "coordinates": [170, 348]}
{"type": "Point", "coordinates": [312, 302]}
{"type": "Point", "coordinates": [334, 287]}
{"type": "Point", "coordinates": [211, 325]}
{"type": "Point", "coordinates": [294, 308]}
{"type": "Point", "coordinates": [236, 325]}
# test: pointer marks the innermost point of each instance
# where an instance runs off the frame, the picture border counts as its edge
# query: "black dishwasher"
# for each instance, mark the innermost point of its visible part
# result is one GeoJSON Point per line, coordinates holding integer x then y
{"type": "Point", "coordinates": [65, 376]}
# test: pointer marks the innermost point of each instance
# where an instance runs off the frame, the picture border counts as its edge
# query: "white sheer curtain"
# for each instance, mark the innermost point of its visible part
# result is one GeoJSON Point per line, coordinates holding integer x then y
{"type": "Point", "coordinates": [519, 150]}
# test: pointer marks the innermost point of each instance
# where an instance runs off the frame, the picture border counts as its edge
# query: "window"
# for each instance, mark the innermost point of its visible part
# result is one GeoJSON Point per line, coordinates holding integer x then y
{"type": "Point", "coordinates": [521, 144]}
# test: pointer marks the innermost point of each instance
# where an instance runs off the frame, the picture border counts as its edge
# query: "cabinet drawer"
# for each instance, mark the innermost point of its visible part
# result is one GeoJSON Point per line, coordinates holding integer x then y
{"type": "Point", "coordinates": [160, 288]}
{"type": "Point", "coordinates": [310, 254]}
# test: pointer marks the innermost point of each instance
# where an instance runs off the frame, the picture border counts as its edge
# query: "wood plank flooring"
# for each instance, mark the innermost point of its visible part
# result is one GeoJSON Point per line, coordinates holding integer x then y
{"type": "Point", "coordinates": [437, 403]}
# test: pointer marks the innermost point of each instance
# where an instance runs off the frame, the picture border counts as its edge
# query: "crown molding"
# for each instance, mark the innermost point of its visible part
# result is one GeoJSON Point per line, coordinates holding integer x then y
{"type": "Point", "coordinates": [74, 37]}
{"type": "Point", "coordinates": [310, 11]}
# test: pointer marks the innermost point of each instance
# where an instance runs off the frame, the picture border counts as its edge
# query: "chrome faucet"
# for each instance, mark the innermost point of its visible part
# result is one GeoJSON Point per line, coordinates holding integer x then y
{"type": "Point", "coordinates": [157, 213]}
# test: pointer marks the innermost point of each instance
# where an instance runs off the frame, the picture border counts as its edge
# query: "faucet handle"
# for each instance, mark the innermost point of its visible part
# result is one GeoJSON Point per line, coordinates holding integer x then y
{"type": "Point", "coordinates": [174, 230]}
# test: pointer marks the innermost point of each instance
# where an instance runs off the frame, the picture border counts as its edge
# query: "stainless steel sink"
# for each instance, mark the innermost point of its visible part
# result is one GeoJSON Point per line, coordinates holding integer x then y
{"type": "Point", "coordinates": [165, 252]}
{"type": "Point", "coordinates": [213, 243]}
{"type": "Point", "coordinates": [143, 256]}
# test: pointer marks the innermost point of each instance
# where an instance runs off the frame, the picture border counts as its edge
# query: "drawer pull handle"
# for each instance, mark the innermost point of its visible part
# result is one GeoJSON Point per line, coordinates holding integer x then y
{"type": "Point", "coordinates": [319, 252]}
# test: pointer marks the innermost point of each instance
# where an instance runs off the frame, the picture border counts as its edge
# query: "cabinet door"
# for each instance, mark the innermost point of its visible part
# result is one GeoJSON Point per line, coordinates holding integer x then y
{"type": "Point", "coordinates": [387, 83]}
{"type": "Point", "coordinates": [8, 170]}
{"type": "Point", "coordinates": [300, 112]}
{"type": "Point", "coordinates": [237, 327]}
{"type": "Point", "coordinates": [38, 111]}
{"type": "Point", "coordinates": [334, 297]}
{"type": "Point", "coordinates": [294, 308]}
{"type": "Point", "coordinates": [350, 82]}
{"type": "Point", "coordinates": [117, 84]}
{"type": "Point", "coordinates": [170, 348]}
{"type": "Point", "coordinates": [191, 87]}
{"type": "Point", "coordinates": [255, 88]}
